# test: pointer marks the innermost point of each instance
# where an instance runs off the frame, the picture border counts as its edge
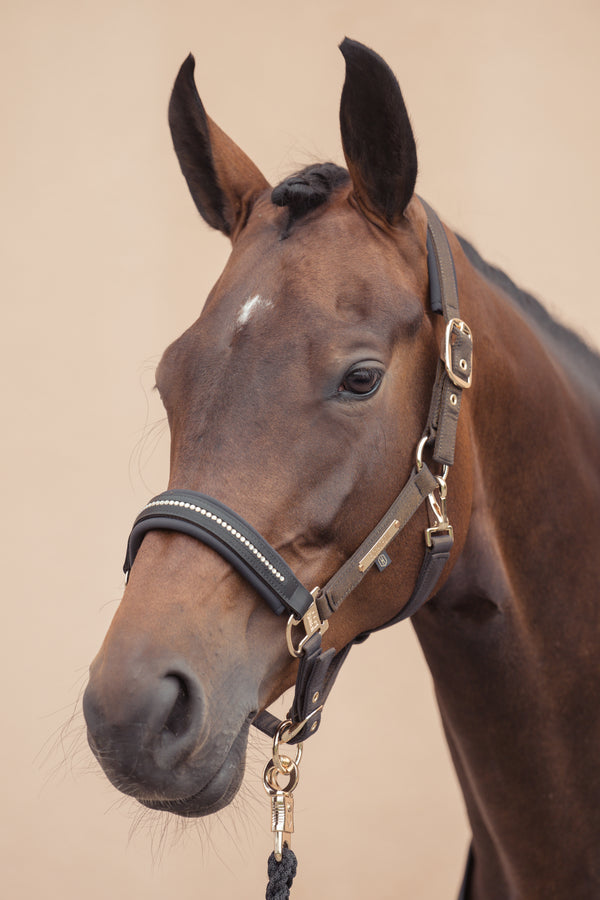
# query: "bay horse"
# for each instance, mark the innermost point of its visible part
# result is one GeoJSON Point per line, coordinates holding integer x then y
{"type": "Point", "coordinates": [302, 399]}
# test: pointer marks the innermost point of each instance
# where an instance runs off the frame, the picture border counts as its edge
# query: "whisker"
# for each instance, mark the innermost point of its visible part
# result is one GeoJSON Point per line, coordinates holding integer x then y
{"type": "Point", "coordinates": [65, 751]}
{"type": "Point", "coordinates": [151, 433]}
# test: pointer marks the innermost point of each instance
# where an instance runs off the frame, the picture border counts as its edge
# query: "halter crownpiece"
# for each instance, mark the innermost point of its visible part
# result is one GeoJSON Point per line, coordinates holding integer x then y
{"type": "Point", "coordinates": [211, 522]}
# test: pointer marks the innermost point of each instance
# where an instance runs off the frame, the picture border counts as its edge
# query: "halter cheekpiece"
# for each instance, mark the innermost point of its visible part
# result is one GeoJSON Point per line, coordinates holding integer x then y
{"type": "Point", "coordinates": [211, 522]}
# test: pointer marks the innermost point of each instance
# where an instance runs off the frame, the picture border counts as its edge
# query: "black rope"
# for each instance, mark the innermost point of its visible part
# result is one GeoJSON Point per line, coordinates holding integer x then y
{"type": "Point", "coordinates": [281, 874]}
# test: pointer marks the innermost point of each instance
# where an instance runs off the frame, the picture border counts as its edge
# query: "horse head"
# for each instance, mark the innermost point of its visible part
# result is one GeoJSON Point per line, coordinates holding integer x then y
{"type": "Point", "coordinates": [297, 398]}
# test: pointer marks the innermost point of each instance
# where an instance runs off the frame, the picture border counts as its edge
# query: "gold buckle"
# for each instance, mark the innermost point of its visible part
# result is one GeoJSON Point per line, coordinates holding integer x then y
{"type": "Point", "coordinates": [288, 730]}
{"type": "Point", "coordinates": [443, 528]}
{"type": "Point", "coordinates": [311, 620]}
{"type": "Point", "coordinates": [455, 378]}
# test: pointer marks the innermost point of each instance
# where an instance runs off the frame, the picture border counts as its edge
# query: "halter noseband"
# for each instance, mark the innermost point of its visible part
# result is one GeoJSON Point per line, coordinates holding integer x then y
{"type": "Point", "coordinates": [211, 522]}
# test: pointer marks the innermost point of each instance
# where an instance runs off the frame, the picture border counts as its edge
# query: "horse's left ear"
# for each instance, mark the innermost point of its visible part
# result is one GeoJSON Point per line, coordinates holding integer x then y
{"type": "Point", "coordinates": [223, 181]}
{"type": "Point", "coordinates": [377, 137]}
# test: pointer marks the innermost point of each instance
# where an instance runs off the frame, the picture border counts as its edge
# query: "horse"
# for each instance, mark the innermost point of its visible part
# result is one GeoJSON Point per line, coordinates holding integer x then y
{"type": "Point", "coordinates": [322, 380]}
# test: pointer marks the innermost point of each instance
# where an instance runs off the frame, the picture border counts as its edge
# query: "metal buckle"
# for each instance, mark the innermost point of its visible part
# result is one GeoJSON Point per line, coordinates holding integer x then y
{"type": "Point", "coordinates": [447, 359]}
{"type": "Point", "coordinates": [312, 623]}
{"type": "Point", "coordinates": [443, 528]}
{"type": "Point", "coordinates": [288, 729]}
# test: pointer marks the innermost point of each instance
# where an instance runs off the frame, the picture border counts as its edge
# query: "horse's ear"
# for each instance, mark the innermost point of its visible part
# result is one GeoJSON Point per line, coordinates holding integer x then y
{"type": "Point", "coordinates": [223, 181]}
{"type": "Point", "coordinates": [377, 137]}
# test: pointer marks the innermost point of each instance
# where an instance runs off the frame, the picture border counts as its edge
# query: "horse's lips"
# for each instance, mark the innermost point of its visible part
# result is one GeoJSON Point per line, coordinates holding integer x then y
{"type": "Point", "coordinates": [218, 792]}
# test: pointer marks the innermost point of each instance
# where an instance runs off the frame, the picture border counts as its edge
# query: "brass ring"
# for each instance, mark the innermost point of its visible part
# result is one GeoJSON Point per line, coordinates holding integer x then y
{"type": "Point", "coordinates": [284, 763]}
{"type": "Point", "coordinates": [272, 771]}
{"type": "Point", "coordinates": [420, 448]}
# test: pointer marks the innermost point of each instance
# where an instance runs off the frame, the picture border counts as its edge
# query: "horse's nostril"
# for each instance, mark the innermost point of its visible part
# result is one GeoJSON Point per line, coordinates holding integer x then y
{"type": "Point", "coordinates": [180, 717]}
{"type": "Point", "coordinates": [144, 726]}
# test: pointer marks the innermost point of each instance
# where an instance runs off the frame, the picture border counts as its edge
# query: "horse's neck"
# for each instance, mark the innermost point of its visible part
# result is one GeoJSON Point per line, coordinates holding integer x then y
{"type": "Point", "coordinates": [512, 638]}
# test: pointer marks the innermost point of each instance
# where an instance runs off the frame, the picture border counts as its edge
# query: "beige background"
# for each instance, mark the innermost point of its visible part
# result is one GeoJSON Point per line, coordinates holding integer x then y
{"type": "Point", "coordinates": [104, 261]}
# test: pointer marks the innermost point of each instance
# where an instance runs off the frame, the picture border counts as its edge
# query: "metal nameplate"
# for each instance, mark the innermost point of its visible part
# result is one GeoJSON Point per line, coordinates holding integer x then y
{"type": "Point", "coordinates": [372, 554]}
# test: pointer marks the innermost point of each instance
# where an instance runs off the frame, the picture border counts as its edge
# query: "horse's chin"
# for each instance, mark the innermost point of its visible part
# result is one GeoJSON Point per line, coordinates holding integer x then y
{"type": "Point", "coordinates": [216, 793]}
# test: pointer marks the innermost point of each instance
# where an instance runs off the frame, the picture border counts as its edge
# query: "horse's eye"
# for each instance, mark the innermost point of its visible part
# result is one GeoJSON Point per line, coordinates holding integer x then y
{"type": "Point", "coordinates": [361, 380]}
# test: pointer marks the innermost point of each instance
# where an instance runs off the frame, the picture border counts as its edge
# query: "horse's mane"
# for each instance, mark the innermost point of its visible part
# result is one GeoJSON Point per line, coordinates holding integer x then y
{"type": "Point", "coordinates": [574, 346]}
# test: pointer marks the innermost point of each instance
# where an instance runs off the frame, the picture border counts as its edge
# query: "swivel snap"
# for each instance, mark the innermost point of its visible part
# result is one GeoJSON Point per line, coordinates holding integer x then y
{"type": "Point", "coordinates": [282, 800]}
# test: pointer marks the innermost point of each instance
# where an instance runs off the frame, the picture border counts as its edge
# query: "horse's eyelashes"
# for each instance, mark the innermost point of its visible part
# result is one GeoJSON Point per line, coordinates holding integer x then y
{"type": "Point", "coordinates": [361, 381]}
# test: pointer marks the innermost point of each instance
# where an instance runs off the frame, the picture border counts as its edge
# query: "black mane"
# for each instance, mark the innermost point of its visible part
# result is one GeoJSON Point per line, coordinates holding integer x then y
{"type": "Point", "coordinates": [308, 189]}
{"type": "Point", "coordinates": [574, 346]}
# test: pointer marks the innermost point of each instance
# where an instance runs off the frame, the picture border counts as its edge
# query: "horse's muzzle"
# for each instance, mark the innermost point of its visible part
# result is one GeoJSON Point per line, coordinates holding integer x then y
{"type": "Point", "coordinates": [149, 734]}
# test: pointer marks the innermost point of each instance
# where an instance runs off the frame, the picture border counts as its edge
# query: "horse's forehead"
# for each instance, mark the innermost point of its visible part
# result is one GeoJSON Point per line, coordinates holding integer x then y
{"type": "Point", "coordinates": [333, 252]}
{"type": "Point", "coordinates": [332, 273]}
{"type": "Point", "coordinates": [254, 306]}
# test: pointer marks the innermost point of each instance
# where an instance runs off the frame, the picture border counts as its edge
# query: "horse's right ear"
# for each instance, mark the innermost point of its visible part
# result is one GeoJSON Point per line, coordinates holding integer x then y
{"type": "Point", "coordinates": [223, 181]}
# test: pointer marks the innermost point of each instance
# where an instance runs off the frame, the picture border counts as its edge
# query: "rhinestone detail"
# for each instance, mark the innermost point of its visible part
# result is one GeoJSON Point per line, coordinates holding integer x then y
{"type": "Point", "coordinates": [226, 526]}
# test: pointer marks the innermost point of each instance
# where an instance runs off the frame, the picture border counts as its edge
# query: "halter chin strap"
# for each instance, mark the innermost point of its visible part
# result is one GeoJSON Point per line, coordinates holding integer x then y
{"type": "Point", "coordinates": [211, 522]}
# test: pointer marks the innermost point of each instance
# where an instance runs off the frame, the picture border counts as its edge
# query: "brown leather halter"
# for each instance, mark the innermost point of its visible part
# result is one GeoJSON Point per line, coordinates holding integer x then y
{"type": "Point", "coordinates": [210, 522]}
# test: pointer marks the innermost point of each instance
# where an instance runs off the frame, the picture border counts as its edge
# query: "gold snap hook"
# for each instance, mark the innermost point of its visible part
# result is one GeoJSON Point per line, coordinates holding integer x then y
{"type": "Point", "coordinates": [282, 800]}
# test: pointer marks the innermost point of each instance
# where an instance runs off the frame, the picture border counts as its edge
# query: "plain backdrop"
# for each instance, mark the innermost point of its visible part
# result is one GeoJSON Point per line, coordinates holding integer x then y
{"type": "Point", "coordinates": [104, 260]}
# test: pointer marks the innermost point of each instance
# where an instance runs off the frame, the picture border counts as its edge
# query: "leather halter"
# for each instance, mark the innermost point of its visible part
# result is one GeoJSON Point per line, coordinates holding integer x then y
{"type": "Point", "coordinates": [214, 524]}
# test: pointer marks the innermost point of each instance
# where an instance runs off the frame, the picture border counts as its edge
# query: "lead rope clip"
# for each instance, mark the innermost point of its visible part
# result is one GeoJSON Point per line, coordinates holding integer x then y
{"type": "Point", "coordinates": [282, 863]}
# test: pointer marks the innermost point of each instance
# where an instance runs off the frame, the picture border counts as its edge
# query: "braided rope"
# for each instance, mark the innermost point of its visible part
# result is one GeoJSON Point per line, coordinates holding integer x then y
{"type": "Point", "coordinates": [281, 874]}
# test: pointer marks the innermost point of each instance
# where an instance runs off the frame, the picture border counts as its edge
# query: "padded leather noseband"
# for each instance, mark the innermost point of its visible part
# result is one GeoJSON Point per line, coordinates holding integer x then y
{"type": "Point", "coordinates": [211, 522]}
